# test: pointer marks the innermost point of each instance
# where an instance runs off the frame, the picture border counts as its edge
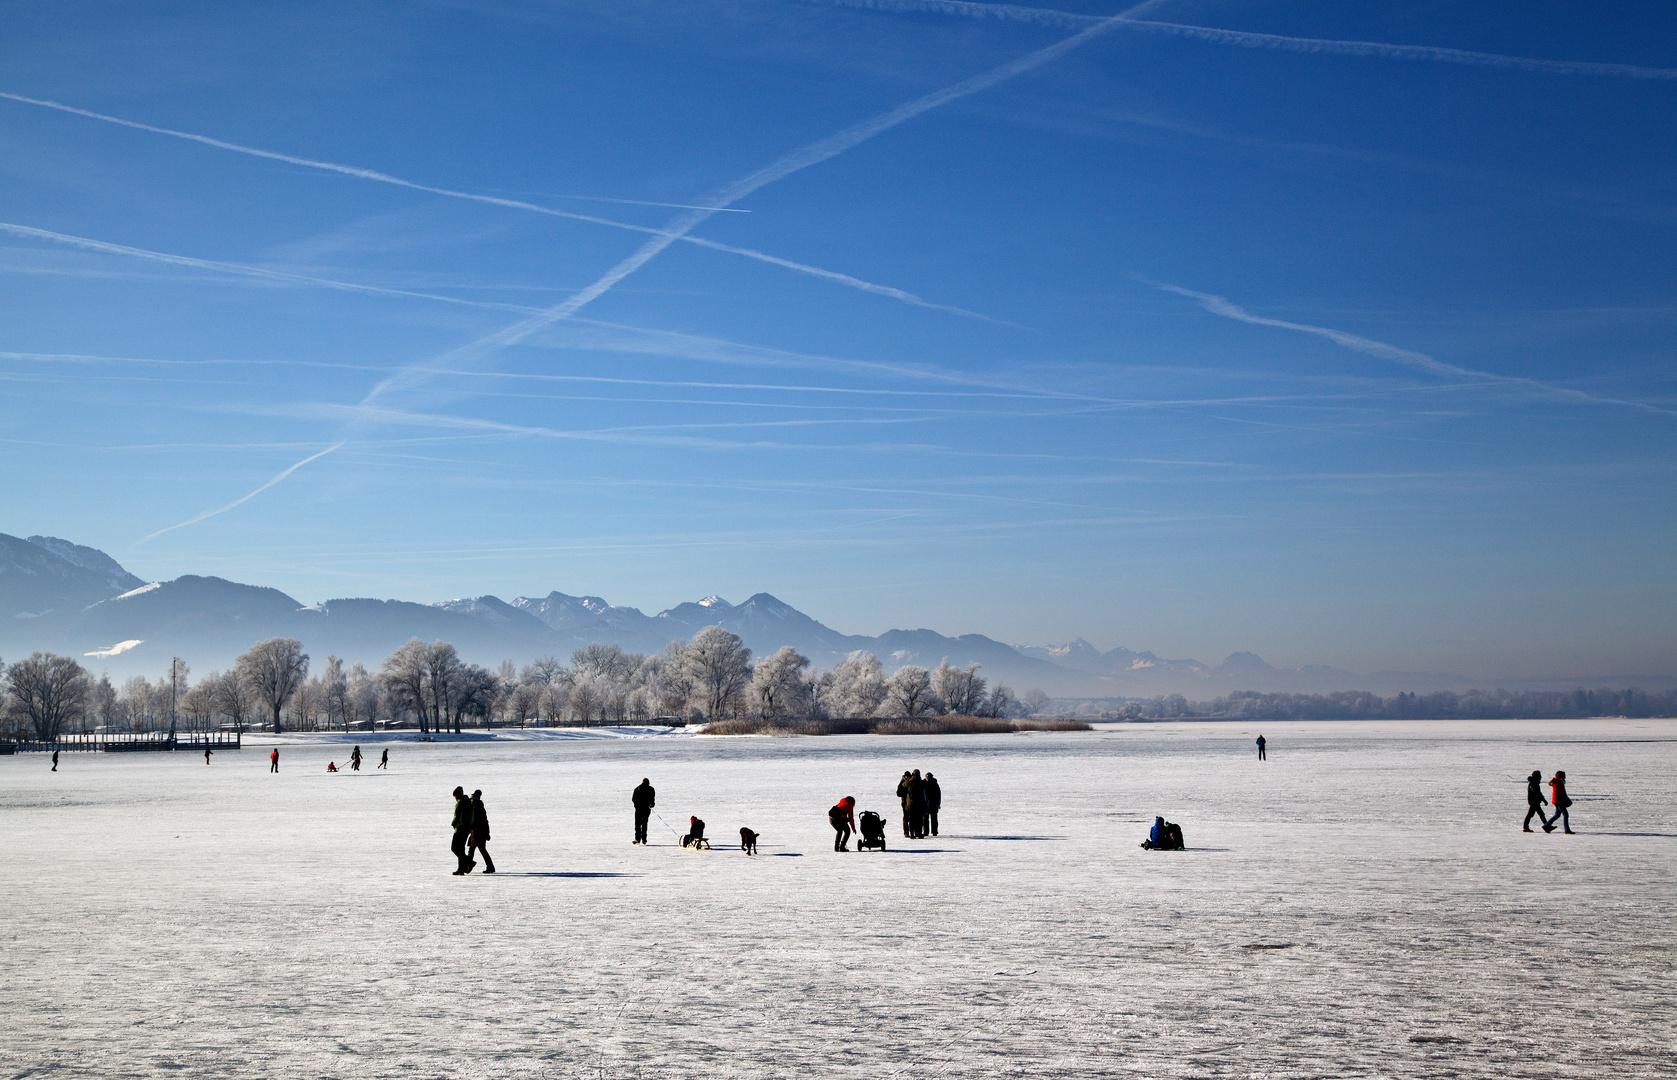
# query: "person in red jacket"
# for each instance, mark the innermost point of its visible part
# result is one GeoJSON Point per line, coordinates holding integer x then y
{"type": "Point", "coordinates": [843, 820]}
{"type": "Point", "coordinates": [1558, 799]}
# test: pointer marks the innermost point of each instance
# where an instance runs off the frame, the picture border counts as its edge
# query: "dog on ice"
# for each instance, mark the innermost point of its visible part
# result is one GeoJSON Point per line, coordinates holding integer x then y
{"type": "Point", "coordinates": [748, 841]}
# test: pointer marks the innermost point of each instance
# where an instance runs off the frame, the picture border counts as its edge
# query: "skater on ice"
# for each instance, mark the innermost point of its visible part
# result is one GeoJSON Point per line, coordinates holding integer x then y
{"type": "Point", "coordinates": [1535, 802]}
{"type": "Point", "coordinates": [273, 760]}
{"type": "Point", "coordinates": [206, 755]}
{"type": "Point", "coordinates": [934, 800]}
{"type": "Point", "coordinates": [480, 833]}
{"type": "Point", "coordinates": [55, 761]}
{"type": "Point", "coordinates": [843, 821]}
{"type": "Point", "coordinates": [1261, 744]}
{"type": "Point", "coordinates": [384, 759]}
{"type": "Point", "coordinates": [645, 798]}
{"type": "Point", "coordinates": [462, 826]}
{"type": "Point", "coordinates": [1559, 800]}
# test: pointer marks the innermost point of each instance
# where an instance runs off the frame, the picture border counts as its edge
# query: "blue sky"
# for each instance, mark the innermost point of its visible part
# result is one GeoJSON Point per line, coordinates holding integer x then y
{"type": "Point", "coordinates": [1182, 340]}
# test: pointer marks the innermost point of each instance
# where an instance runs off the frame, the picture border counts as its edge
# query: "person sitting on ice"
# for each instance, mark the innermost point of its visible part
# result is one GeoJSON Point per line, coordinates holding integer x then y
{"type": "Point", "coordinates": [695, 837]}
{"type": "Point", "coordinates": [1163, 836]}
{"type": "Point", "coordinates": [331, 766]}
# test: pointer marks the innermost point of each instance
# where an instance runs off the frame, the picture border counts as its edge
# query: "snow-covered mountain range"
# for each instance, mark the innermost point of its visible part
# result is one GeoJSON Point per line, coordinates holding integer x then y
{"type": "Point", "coordinates": [64, 597]}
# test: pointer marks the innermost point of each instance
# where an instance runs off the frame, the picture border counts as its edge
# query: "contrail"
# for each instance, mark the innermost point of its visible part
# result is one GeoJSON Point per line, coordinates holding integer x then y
{"type": "Point", "coordinates": [240, 268]}
{"type": "Point", "coordinates": [813, 154]}
{"type": "Point", "coordinates": [243, 499]}
{"type": "Point", "coordinates": [1218, 305]}
{"type": "Point", "coordinates": [517, 204]}
{"type": "Point", "coordinates": [1250, 40]}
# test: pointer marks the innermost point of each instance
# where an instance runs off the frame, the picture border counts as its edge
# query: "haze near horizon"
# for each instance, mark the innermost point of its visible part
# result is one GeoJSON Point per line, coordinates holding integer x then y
{"type": "Point", "coordinates": [1342, 336]}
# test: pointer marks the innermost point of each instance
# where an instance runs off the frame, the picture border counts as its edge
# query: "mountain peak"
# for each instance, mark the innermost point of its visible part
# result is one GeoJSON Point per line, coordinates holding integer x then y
{"type": "Point", "coordinates": [714, 601]}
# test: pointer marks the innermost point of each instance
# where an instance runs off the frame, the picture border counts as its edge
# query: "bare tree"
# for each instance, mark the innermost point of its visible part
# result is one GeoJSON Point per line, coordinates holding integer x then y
{"type": "Point", "coordinates": [362, 697]}
{"type": "Point", "coordinates": [1002, 702]}
{"type": "Point", "coordinates": [102, 703]}
{"type": "Point", "coordinates": [909, 692]}
{"type": "Point", "coordinates": [178, 672]}
{"type": "Point", "coordinates": [50, 691]}
{"type": "Point", "coordinates": [720, 665]}
{"type": "Point", "coordinates": [403, 674]}
{"type": "Point", "coordinates": [472, 692]}
{"type": "Point", "coordinates": [234, 697]}
{"type": "Point", "coordinates": [334, 692]}
{"type": "Point", "coordinates": [273, 670]}
{"type": "Point", "coordinates": [960, 689]}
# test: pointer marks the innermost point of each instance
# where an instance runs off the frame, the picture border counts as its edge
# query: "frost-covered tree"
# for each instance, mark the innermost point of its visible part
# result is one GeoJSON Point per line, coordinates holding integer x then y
{"type": "Point", "coordinates": [1034, 701]}
{"type": "Point", "coordinates": [854, 688]}
{"type": "Point", "coordinates": [273, 670]}
{"type": "Point", "coordinates": [102, 701]}
{"type": "Point", "coordinates": [49, 692]}
{"type": "Point", "coordinates": [778, 687]}
{"type": "Point", "coordinates": [178, 673]}
{"type": "Point", "coordinates": [361, 695]}
{"type": "Point", "coordinates": [961, 690]}
{"type": "Point", "coordinates": [233, 697]}
{"type": "Point", "coordinates": [334, 693]}
{"type": "Point", "coordinates": [720, 666]}
{"type": "Point", "coordinates": [909, 692]}
{"type": "Point", "coordinates": [1003, 703]}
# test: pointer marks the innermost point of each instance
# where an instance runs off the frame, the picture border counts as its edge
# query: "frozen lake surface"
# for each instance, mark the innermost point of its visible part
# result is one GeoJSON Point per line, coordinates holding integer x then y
{"type": "Point", "coordinates": [1363, 904]}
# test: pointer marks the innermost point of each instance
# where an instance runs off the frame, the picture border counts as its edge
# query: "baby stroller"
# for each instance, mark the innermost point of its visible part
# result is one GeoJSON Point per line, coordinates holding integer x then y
{"type": "Point", "coordinates": [873, 831]}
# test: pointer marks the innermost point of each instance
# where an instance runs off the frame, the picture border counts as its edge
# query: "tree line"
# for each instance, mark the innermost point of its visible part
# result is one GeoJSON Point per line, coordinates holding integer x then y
{"type": "Point", "coordinates": [711, 677]}
{"type": "Point", "coordinates": [1440, 705]}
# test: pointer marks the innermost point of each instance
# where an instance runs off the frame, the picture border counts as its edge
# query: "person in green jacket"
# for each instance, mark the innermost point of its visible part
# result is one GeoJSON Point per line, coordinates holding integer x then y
{"type": "Point", "coordinates": [462, 831]}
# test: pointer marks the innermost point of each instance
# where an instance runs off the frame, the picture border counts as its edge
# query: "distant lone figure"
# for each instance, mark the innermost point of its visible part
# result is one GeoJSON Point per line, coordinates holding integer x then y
{"type": "Point", "coordinates": [462, 826]}
{"type": "Point", "coordinates": [645, 798]}
{"type": "Point", "coordinates": [934, 799]}
{"type": "Point", "coordinates": [355, 759]}
{"type": "Point", "coordinates": [384, 759]}
{"type": "Point", "coordinates": [1535, 802]}
{"type": "Point", "coordinates": [273, 760]}
{"type": "Point", "coordinates": [1262, 756]}
{"type": "Point", "coordinates": [480, 832]}
{"type": "Point", "coordinates": [55, 761]}
{"type": "Point", "coordinates": [206, 755]}
{"type": "Point", "coordinates": [1558, 798]}
{"type": "Point", "coordinates": [843, 821]}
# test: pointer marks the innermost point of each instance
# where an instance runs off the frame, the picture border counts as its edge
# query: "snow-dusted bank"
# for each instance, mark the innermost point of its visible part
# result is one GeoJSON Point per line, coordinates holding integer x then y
{"type": "Point", "coordinates": [1362, 904]}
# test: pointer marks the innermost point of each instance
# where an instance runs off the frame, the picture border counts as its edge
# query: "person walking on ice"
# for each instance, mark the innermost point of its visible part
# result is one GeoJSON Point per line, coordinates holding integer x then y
{"type": "Point", "coordinates": [355, 759]}
{"type": "Point", "coordinates": [206, 755]}
{"type": "Point", "coordinates": [462, 826]}
{"type": "Point", "coordinates": [1262, 756]}
{"type": "Point", "coordinates": [273, 760]}
{"type": "Point", "coordinates": [1535, 802]}
{"type": "Point", "coordinates": [843, 821]}
{"type": "Point", "coordinates": [480, 832]}
{"type": "Point", "coordinates": [55, 761]}
{"type": "Point", "coordinates": [1559, 800]}
{"type": "Point", "coordinates": [645, 798]}
{"type": "Point", "coordinates": [384, 759]}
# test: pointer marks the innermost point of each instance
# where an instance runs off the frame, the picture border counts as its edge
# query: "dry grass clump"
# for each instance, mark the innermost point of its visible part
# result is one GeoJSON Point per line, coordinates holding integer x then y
{"type": "Point", "coordinates": [922, 725]}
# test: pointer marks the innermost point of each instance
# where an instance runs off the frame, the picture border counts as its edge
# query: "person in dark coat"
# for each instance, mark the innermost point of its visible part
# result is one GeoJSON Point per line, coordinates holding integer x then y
{"type": "Point", "coordinates": [695, 837]}
{"type": "Point", "coordinates": [934, 799]}
{"type": "Point", "coordinates": [55, 761]}
{"type": "Point", "coordinates": [1559, 799]}
{"type": "Point", "coordinates": [902, 797]}
{"type": "Point", "coordinates": [1261, 744]}
{"type": "Point", "coordinates": [480, 832]}
{"type": "Point", "coordinates": [462, 826]}
{"type": "Point", "coordinates": [384, 759]}
{"type": "Point", "coordinates": [843, 820]}
{"type": "Point", "coordinates": [916, 807]}
{"type": "Point", "coordinates": [1535, 802]}
{"type": "Point", "coordinates": [645, 798]}
{"type": "Point", "coordinates": [355, 759]}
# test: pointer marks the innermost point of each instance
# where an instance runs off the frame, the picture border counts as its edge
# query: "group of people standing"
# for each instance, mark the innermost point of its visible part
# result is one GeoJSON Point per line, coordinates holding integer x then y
{"type": "Point", "coordinates": [471, 832]}
{"type": "Point", "coordinates": [921, 797]}
{"type": "Point", "coordinates": [1535, 802]}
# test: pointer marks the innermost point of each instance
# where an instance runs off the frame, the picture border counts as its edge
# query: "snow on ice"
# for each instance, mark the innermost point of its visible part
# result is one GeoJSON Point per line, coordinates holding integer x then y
{"type": "Point", "coordinates": [1363, 904]}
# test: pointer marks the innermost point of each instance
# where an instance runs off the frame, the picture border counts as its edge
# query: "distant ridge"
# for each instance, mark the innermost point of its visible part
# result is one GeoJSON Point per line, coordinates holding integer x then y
{"type": "Point", "coordinates": [64, 597]}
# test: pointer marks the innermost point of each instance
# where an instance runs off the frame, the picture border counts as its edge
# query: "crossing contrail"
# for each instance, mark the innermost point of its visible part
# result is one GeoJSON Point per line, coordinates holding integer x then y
{"type": "Point", "coordinates": [800, 159]}
{"type": "Point", "coordinates": [517, 204]}
{"type": "Point", "coordinates": [1419, 361]}
{"type": "Point", "coordinates": [1250, 40]}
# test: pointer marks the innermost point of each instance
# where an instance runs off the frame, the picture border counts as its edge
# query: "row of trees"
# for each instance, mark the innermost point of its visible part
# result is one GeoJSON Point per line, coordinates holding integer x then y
{"type": "Point", "coordinates": [1442, 705]}
{"type": "Point", "coordinates": [710, 677]}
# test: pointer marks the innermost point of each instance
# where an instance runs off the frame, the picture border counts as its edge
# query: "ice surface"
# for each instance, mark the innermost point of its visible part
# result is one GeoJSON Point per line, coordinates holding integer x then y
{"type": "Point", "coordinates": [1363, 904]}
